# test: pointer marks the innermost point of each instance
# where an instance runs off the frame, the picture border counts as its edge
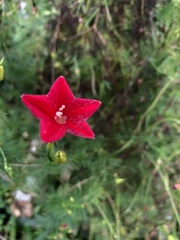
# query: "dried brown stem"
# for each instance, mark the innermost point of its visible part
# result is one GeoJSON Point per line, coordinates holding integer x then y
{"type": "Point", "coordinates": [93, 28]}
{"type": "Point", "coordinates": [54, 43]}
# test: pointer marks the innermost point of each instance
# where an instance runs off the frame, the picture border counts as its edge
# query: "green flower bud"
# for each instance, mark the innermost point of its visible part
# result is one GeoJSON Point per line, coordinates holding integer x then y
{"type": "Point", "coordinates": [60, 157]}
{"type": "Point", "coordinates": [71, 199]}
{"type": "Point", "coordinates": [69, 212]}
{"type": "Point", "coordinates": [50, 146]}
{"type": "Point", "coordinates": [9, 170]}
{"type": "Point", "coordinates": [119, 180]}
{"type": "Point", "coordinates": [1, 73]}
{"type": "Point", "coordinates": [1, 69]}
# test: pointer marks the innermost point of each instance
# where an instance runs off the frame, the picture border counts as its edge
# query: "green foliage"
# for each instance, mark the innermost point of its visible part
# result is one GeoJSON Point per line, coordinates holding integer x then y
{"type": "Point", "coordinates": [120, 185]}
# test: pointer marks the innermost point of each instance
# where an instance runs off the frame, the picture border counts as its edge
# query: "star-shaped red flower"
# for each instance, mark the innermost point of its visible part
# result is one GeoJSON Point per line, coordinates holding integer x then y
{"type": "Point", "coordinates": [60, 112]}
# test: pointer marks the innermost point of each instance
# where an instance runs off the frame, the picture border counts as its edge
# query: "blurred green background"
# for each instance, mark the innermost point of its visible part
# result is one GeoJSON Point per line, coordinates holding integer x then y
{"type": "Point", "coordinates": [126, 54]}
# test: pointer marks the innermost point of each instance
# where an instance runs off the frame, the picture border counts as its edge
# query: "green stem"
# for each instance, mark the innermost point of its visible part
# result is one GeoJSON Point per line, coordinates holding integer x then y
{"type": "Point", "coordinates": [166, 184]}
{"type": "Point", "coordinates": [111, 230]}
{"type": "Point", "coordinates": [2, 60]}
{"type": "Point", "coordinates": [50, 148]}
{"type": "Point", "coordinates": [165, 180]}
{"type": "Point", "coordinates": [49, 156]}
{"type": "Point", "coordinates": [153, 104]}
{"type": "Point", "coordinates": [7, 168]}
{"type": "Point", "coordinates": [4, 158]}
{"type": "Point", "coordinates": [145, 114]}
{"type": "Point", "coordinates": [125, 146]}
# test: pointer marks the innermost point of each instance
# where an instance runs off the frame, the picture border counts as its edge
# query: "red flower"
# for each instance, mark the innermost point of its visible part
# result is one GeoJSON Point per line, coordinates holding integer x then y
{"type": "Point", "coordinates": [60, 112]}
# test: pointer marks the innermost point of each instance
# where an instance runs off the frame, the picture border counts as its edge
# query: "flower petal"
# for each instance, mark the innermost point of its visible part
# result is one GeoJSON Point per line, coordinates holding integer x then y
{"type": "Point", "coordinates": [83, 108]}
{"type": "Point", "coordinates": [51, 131]}
{"type": "Point", "coordinates": [176, 186]}
{"type": "Point", "coordinates": [39, 105]}
{"type": "Point", "coordinates": [80, 129]}
{"type": "Point", "coordinates": [60, 93]}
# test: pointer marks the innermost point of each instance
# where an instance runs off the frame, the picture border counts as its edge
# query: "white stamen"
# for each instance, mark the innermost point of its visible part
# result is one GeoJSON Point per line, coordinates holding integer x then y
{"type": "Point", "coordinates": [59, 114]}
{"type": "Point", "coordinates": [60, 118]}
{"type": "Point", "coordinates": [62, 107]}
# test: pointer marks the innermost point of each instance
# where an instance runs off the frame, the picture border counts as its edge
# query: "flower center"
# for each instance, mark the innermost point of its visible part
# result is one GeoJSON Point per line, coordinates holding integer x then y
{"type": "Point", "coordinates": [59, 118]}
